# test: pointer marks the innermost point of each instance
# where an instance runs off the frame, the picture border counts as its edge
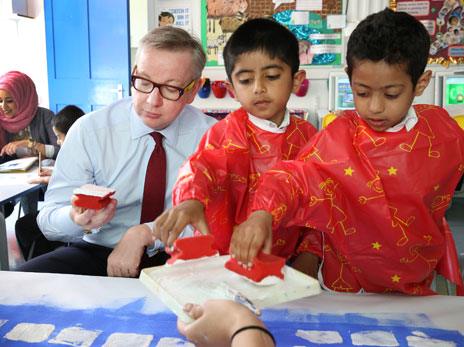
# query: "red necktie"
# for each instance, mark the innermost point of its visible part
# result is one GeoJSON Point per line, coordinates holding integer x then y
{"type": "Point", "coordinates": [155, 182]}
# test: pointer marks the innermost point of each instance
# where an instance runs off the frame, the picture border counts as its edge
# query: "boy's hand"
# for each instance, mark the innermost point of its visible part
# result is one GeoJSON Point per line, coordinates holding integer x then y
{"type": "Point", "coordinates": [40, 180]}
{"type": "Point", "coordinates": [251, 236]}
{"type": "Point", "coordinates": [45, 172]}
{"type": "Point", "coordinates": [92, 219]}
{"type": "Point", "coordinates": [43, 177]}
{"type": "Point", "coordinates": [170, 223]}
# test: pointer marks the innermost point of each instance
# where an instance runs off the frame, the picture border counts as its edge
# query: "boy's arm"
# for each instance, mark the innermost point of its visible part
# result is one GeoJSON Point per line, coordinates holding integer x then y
{"type": "Point", "coordinates": [203, 172]}
{"type": "Point", "coordinates": [170, 224]}
{"type": "Point", "coordinates": [282, 199]}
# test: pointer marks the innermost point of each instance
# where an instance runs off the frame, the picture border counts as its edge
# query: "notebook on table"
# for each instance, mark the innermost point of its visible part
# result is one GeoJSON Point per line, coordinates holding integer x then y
{"type": "Point", "coordinates": [18, 165]}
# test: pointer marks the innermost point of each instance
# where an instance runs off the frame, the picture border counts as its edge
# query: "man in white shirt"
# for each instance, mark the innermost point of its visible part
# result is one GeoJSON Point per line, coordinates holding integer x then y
{"type": "Point", "coordinates": [111, 147]}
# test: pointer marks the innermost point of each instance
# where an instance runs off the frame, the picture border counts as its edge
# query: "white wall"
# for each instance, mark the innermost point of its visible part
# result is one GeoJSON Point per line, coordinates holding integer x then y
{"type": "Point", "coordinates": [23, 45]}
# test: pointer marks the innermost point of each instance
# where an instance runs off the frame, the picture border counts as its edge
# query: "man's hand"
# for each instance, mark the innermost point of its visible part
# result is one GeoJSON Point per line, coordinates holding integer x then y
{"type": "Point", "coordinates": [125, 259]}
{"type": "Point", "coordinates": [10, 148]}
{"type": "Point", "coordinates": [170, 223]}
{"type": "Point", "coordinates": [91, 219]}
{"type": "Point", "coordinates": [251, 236]}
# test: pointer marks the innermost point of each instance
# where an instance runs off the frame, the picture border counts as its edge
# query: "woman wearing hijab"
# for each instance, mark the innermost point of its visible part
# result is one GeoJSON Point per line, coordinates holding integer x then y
{"type": "Point", "coordinates": [25, 128]}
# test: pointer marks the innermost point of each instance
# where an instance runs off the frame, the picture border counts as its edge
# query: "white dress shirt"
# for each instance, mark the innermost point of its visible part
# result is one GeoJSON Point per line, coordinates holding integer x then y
{"type": "Point", "coordinates": [111, 147]}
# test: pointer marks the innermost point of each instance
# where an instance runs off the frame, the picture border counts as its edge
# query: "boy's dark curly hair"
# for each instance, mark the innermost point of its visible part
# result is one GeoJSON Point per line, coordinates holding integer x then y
{"type": "Point", "coordinates": [394, 37]}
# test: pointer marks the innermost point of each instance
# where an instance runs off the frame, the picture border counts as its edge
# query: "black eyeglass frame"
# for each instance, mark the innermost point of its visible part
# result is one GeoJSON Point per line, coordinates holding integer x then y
{"type": "Point", "coordinates": [181, 91]}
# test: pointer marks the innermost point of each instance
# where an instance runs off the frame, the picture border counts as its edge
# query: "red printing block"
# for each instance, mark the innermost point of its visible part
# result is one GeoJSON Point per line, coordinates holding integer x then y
{"type": "Point", "coordinates": [264, 265]}
{"type": "Point", "coordinates": [92, 196]}
{"type": "Point", "coordinates": [92, 202]}
{"type": "Point", "coordinates": [194, 247]}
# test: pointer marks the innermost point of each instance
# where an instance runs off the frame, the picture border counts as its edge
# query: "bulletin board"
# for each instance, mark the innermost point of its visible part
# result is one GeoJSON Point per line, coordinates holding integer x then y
{"type": "Point", "coordinates": [444, 21]}
{"type": "Point", "coordinates": [316, 25]}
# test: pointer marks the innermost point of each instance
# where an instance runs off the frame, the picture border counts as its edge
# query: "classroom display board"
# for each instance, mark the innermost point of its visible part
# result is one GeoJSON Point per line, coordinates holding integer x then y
{"type": "Point", "coordinates": [444, 21]}
{"type": "Point", "coordinates": [316, 24]}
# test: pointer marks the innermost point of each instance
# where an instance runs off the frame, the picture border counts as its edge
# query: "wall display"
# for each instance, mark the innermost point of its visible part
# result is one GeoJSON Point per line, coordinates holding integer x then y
{"type": "Point", "coordinates": [316, 24]}
{"type": "Point", "coordinates": [444, 21]}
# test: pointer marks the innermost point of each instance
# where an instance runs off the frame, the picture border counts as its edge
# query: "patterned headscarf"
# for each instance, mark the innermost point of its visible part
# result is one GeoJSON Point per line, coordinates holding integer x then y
{"type": "Point", "coordinates": [23, 92]}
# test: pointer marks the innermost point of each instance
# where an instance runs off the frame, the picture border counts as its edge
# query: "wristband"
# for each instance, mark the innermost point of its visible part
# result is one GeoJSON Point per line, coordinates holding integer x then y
{"type": "Point", "coordinates": [257, 327]}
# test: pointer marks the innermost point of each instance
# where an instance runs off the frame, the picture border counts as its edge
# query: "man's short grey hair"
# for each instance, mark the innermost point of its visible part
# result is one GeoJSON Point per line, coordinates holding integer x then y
{"type": "Point", "coordinates": [175, 39]}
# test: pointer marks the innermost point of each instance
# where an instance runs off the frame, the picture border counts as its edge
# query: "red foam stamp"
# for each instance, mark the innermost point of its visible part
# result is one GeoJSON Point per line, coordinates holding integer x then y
{"type": "Point", "coordinates": [264, 265]}
{"type": "Point", "coordinates": [92, 196]}
{"type": "Point", "coordinates": [188, 248]}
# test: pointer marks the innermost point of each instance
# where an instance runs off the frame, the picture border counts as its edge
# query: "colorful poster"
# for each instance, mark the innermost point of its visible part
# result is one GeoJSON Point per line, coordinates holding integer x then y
{"type": "Point", "coordinates": [320, 43]}
{"type": "Point", "coordinates": [444, 21]}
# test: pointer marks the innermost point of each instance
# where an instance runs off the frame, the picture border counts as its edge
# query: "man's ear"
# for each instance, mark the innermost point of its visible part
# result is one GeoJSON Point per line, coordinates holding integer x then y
{"type": "Point", "coordinates": [190, 96]}
{"type": "Point", "coordinates": [422, 82]}
{"type": "Point", "coordinates": [298, 78]}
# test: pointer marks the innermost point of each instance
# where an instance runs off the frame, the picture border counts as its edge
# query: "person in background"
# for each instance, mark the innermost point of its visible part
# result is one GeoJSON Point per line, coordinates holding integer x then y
{"type": "Point", "coordinates": [30, 239]}
{"type": "Point", "coordinates": [378, 180]}
{"type": "Point", "coordinates": [215, 185]}
{"type": "Point", "coordinates": [25, 128]}
{"type": "Point", "coordinates": [112, 147]}
{"type": "Point", "coordinates": [220, 323]}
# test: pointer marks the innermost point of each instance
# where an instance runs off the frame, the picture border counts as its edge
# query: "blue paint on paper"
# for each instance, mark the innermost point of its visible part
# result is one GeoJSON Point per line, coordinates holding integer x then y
{"type": "Point", "coordinates": [283, 323]}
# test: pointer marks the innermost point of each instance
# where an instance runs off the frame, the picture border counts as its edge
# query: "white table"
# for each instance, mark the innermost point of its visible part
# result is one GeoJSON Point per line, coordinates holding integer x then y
{"type": "Point", "coordinates": [12, 186]}
{"type": "Point", "coordinates": [71, 309]}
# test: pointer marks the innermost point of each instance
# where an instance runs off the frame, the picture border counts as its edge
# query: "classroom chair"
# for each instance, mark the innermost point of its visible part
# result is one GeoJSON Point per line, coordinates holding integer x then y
{"type": "Point", "coordinates": [460, 119]}
{"type": "Point", "coordinates": [328, 118]}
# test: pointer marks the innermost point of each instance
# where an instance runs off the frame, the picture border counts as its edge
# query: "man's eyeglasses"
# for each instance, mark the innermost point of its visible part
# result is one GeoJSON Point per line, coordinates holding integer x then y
{"type": "Point", "coordinates": [167, 91]}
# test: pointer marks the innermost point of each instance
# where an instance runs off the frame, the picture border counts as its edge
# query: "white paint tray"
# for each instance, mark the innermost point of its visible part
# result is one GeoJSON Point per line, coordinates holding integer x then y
{"type": "Point", "coordinates": [198, 280]}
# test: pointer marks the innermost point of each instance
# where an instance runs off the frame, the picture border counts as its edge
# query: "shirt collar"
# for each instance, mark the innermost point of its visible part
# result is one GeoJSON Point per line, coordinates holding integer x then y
{"type": "Point", "coordinates": [408, 122]}
{"type": "Point", "coordinates": [139, 129]}
{"type": "Point", "coordinates": [270, 126]}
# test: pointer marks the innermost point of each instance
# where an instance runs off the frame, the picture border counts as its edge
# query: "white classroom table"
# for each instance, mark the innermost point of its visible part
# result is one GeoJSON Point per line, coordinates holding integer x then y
{"type": "Point", "coordinates": [12, 186]}
{"type": "Point", "coordinates": [50, 309]}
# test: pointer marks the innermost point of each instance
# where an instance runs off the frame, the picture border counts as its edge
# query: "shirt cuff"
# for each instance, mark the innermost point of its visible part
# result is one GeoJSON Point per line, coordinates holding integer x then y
{"type": "Point", "coordinates": [155, 248]}
{"type": "Point", "coordinates": [49, 151]}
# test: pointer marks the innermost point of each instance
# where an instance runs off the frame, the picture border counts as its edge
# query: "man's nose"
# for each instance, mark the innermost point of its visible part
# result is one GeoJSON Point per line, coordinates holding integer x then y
{"type": "Point", "coordinates": [155, 97]}
{"type": "Point", "coordinates": [376, 104]}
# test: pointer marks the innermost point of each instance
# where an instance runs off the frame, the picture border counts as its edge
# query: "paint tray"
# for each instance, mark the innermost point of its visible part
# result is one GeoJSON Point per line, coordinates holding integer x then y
{"type": "Point", "coordinates": [202, 279]}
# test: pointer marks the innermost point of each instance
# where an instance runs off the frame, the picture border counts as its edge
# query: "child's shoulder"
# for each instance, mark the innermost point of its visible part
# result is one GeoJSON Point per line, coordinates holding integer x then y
{"type": "Point", "coordinates": [427, 110]}
{"type": "Point", "coordinates": [234, 121]}
{"type": "Point", "coordinates": [436, 117]}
